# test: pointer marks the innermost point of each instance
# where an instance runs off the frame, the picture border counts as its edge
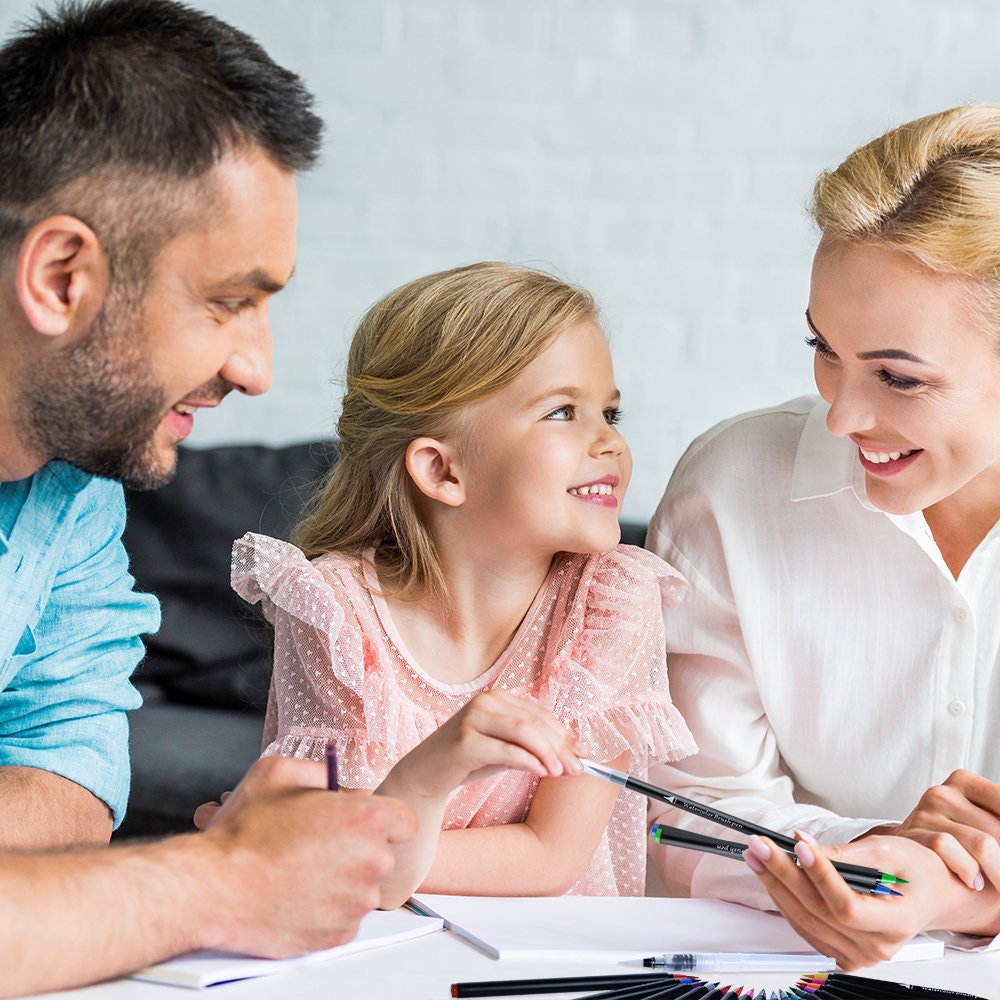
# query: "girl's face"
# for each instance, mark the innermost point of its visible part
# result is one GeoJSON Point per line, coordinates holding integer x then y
{"type": "Point", "coordinates": [911, 374]}
{"type": "Point", "coordinates": [546, 467]}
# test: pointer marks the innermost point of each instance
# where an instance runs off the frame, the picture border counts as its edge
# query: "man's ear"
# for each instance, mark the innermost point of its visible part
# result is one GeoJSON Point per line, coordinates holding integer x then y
{"type": "Point", "coordinates": [435, 471]}
{"type": "Point", "coordinates": [62, 275]}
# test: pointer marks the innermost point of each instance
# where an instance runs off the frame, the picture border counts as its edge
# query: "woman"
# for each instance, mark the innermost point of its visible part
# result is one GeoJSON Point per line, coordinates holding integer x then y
{"type": "Point", "coordinates": [838, 655]}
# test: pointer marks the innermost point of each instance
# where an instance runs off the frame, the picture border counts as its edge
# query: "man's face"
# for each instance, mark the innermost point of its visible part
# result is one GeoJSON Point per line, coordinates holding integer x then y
{"type": "Point", "coordinates": [117, 402]}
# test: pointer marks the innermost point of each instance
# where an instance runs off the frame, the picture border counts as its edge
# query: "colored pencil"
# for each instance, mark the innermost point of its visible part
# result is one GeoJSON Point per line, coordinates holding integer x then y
{"type": "Point", "coordinates": [566, 984]}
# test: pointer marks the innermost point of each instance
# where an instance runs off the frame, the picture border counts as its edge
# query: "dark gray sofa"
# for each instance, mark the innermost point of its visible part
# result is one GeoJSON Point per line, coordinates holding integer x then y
{"type": "Point", "coordinates": [206, 673]}
{"type": "Point", "coordinates": [205, 676]}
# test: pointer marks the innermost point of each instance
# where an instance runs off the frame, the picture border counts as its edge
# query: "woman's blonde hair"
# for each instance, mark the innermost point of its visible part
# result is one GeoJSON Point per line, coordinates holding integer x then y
{"type": "Point", "coordinates": [931, 188]}
{"type": "Point", "coordinates": [419, 357]}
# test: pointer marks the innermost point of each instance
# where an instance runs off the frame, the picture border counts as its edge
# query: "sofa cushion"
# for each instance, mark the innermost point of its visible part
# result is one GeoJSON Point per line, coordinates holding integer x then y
{"type": "Point", "coordinates": [182, 756]}
{"type": "Point", "coordinates": [212, 649]}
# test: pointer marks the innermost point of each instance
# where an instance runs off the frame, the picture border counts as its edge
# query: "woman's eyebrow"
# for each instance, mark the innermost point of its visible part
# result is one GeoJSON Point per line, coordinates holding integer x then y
{"type": "Point", "coordinates": [889, 352]}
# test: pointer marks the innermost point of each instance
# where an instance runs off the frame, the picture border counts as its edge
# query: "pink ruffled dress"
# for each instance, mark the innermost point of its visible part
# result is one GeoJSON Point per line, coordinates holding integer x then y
{"type": "Point", "coordinates": [590, 649]}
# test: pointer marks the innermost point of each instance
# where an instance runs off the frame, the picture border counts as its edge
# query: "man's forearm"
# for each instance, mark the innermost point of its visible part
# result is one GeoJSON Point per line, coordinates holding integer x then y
{"type": "Point", "coordinates": [43, 810]}
{"type": "Point", "coordinates": [78, 916]}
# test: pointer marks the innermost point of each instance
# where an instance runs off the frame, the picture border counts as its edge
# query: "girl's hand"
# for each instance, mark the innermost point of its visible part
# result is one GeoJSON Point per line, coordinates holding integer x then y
{"type": "Point", "coordinates": [857, 929]}
{"type": "Point", "coordinates": [493, 731]}
{"type": "Point", "coordinates": [960, 821]}
{"type": "Point", "coordinates": [206, 813]}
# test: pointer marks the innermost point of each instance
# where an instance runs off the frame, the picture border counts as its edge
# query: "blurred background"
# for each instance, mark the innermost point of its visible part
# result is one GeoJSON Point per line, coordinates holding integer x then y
{"type": "Point", "coordinates": [659, 152]}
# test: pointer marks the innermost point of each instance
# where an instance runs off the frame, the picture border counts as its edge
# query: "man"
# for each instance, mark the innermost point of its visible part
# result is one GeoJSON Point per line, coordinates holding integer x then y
{"type": "Point", "coordinates": [147, 214]}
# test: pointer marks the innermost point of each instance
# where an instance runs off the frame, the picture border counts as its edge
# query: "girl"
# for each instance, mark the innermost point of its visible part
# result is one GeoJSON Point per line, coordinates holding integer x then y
{"type": "Point", "coordinates": [460, 564]}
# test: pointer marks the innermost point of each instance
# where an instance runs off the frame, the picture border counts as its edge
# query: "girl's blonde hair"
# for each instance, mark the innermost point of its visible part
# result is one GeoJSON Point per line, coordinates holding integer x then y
{"type": "Point", "coordinates": [419, 357]}
{"type": "Point", "coordinates": [930, 187]}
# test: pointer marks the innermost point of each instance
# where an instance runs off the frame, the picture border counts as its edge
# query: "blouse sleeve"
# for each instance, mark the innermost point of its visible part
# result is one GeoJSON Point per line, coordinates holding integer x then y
{"type": "Point", "coordinates": [608, 678]}
{"type": "Point", "coordinates": [317, 685]}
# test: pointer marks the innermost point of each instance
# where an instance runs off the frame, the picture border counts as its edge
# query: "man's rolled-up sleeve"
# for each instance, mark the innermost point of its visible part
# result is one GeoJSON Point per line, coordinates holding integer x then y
{"type": "Point", "coordinates": [63, 709]}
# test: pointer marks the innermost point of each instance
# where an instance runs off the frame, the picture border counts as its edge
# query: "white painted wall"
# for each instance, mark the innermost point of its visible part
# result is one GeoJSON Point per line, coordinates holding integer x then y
{"type": "Point", "coordinates": [659, 152]}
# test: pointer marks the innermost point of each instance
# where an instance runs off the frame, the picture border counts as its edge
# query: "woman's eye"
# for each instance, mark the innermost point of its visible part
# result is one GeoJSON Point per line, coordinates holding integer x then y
{"type": "Point", "coordinates": [894, 381]}
{"type": "Point", "coordinates": [820, 347]}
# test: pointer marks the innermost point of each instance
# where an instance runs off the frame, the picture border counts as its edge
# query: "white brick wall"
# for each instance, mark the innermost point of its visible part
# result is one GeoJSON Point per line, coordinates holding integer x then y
{"type": "Point", "coordinates": [659, 152]}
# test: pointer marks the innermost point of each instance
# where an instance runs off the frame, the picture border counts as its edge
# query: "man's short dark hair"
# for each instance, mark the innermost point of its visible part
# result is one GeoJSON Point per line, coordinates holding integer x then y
{"type": "Point", "coordinates": [109, 108]}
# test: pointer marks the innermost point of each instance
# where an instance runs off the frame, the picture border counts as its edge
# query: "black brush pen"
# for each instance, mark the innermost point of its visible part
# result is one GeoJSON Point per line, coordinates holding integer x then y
{"type": "Point", "coordinates": [783, 841]}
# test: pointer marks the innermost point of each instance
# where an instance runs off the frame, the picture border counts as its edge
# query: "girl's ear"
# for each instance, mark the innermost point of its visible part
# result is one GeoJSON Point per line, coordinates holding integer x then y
{"type": "Point", "coordinates": [434, 470]}
{"type": "Point", "coordinates": [62, 275]}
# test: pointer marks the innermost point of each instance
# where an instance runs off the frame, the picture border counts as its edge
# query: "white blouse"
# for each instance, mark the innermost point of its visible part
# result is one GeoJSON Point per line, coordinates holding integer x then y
{"type": "Point", "coordinates": [828, 664]}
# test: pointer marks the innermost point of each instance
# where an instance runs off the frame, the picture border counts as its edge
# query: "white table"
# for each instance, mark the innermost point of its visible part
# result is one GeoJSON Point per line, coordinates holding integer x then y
{"type": "Point", "coordinates": [425, 968]}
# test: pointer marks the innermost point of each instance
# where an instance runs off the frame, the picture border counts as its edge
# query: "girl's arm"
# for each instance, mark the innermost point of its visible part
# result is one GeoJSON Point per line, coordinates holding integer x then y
{"type": "Point", "coordinates": [543, 856]}
{"type": "Point", "coordinates": [493, 731]}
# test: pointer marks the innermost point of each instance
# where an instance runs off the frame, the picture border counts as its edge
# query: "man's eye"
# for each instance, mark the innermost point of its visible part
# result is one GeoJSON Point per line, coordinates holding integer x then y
{"type": "Point", "coordinates": [233, 305]}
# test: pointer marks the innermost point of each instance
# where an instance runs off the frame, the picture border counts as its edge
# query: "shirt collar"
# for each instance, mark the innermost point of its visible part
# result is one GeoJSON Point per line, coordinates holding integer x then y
{"type": "Point", "coordinates": [826, 464]}
{"type": "Point", "coordinates": [36, 488]}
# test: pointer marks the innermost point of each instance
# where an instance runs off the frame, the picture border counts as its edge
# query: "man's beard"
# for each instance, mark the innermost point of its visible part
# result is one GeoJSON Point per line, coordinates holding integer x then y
{"type": "Point", "coordinates": [97, 404]}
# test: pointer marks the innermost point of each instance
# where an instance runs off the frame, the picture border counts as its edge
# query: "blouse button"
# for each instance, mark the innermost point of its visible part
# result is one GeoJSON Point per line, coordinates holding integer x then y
{"type": "Point", "coordinates": [957, 707]}
{"type": "Point", "coordinates": [961, 615]}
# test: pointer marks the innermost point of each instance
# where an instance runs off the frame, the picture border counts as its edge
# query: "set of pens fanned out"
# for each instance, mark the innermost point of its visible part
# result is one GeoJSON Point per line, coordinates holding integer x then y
{"type": "Point", "coordinates": [676, 986]}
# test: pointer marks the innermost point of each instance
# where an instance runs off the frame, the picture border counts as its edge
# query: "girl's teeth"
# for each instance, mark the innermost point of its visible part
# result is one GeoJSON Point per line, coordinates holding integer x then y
{"type": "Point", "coordinates": [603, 489]}
{"type": "Point", "coordinates": [879, 457]}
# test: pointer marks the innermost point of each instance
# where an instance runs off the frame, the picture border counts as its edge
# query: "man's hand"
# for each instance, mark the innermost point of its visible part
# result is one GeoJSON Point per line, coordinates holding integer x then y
{"type": "Point", "coordinates": [298, 865]}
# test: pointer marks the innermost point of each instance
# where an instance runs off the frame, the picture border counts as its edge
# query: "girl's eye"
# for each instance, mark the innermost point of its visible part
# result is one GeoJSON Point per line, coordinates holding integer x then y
{"type": "Point", "coordinates": [894, 381]}
{"type": "Point", "coordinates": [563, 413]}
{"type": "Point", "coordinates": [612, 416]}
{"type": "Point", "coordinates": [820, 347]}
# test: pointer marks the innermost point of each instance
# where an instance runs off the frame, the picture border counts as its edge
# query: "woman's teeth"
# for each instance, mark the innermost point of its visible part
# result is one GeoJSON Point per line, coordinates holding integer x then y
{"type": "Point", "coordinates": [878, 457]}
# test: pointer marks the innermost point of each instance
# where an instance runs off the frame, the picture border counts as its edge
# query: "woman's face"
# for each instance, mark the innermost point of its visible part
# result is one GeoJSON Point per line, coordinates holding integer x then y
{"type": "Point", "coordinates": [911, 373]}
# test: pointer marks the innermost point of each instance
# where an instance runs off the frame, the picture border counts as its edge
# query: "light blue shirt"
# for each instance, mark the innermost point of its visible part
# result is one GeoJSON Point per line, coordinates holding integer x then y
{"type": "Point", "coordinates": [69, 630]}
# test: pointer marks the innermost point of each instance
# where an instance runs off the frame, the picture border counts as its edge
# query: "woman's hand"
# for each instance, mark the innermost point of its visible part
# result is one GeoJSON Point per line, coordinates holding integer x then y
{"type": "Point", "coordinates": [960, 821]}
{"type": "Point", "coordinates": [858, 929]}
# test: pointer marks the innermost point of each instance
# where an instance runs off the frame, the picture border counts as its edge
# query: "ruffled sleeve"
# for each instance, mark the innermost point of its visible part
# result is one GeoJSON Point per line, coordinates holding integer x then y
{"type": "Point", "coordinates": [278, 576]}
{"type": "Point", "coordinates": [318, 680]}
{"type": "Point", "coordinates": [608, 675]}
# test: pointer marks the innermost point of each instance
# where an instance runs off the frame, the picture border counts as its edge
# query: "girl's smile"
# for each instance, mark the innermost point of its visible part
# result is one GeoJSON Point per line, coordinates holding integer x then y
{"type": "Point", "coordinates": [602, 492]}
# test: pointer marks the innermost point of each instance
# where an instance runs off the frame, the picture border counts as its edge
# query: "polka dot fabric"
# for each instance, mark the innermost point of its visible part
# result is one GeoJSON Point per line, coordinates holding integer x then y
{"type": "Point", "coordinates": [590, 649]}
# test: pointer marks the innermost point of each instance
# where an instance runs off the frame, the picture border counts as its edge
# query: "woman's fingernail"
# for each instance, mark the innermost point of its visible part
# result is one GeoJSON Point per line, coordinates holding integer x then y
{"type": "Point", "coordinates": [758, 848]}
{"type": "Point", "coordinates": [979, 883]}
{"type": "Point", "coordinates": [805, 854]}
{"type": "Point", "coordinates": [753, 862]}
